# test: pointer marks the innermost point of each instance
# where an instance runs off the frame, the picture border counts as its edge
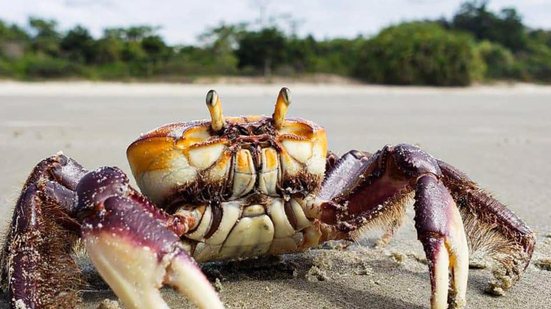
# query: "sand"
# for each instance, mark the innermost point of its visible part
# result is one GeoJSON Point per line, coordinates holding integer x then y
{"type": "Point", "coordinates": [499, 135]}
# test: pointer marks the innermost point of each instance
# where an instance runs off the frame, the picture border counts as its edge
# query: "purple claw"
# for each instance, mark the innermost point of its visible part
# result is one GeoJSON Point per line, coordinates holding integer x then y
{"type": "Point", "coordinates": [364, 191]}
{"type": "Point", "coordinates": [440, 230]}
{"type": "Point", "coordinates": [129, 243]}
{"type": "Point", "coordinates": [413, 161]}
{"type": "Point", "coordinates": [97, 186]}
{"type": "Point", "coordinates": [37, 267]}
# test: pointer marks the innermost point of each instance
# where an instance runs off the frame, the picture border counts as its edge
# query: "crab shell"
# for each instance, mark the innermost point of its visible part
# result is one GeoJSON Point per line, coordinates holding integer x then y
{"type": "Point", "coordinates": [189, 163]}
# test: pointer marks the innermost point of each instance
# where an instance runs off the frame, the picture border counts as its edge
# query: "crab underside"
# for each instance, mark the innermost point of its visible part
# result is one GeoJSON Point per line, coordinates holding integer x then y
{"type": "Point", "coordinates": [241, 187]}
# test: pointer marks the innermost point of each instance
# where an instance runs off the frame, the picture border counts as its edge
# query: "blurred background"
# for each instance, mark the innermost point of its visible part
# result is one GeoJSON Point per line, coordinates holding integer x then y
{"type": "Point", "coordinates": [405, 42]}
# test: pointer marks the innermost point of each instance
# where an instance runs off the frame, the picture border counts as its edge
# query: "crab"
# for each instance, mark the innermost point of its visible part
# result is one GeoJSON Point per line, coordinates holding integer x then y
{"type": "Point", "coordinates": [243, 187]}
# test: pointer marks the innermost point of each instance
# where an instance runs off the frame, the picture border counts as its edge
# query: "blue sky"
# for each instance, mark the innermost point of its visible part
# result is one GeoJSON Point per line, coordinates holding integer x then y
{"type": "Point", "coordinates": [181, 21]}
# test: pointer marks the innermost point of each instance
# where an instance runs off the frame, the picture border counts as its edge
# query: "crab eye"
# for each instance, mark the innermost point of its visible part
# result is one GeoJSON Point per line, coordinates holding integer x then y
{"type": "Point", "coordinates": [282, 103]}
{"type": "Point", "coordinates": [215, 108]}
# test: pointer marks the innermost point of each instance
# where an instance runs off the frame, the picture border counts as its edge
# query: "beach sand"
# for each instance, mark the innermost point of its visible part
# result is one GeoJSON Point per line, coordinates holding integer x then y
{"type": "Point", "coordinates": [498, 135]}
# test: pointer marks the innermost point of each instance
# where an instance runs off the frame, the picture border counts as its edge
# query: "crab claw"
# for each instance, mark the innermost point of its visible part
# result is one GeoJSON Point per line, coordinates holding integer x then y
{"type": "Point", "coordinates": [130, 245]}
{"type": "Point", "coordinates": [440, 230]}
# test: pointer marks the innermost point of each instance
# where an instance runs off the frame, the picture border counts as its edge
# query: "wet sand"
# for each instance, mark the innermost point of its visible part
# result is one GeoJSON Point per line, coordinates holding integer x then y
{"type": "Point", "coordinates": [500, 136]}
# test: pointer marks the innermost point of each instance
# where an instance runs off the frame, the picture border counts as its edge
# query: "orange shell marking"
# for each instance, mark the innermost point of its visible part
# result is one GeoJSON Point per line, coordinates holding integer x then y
{"type": "Point", "coordinates": [172, 156]}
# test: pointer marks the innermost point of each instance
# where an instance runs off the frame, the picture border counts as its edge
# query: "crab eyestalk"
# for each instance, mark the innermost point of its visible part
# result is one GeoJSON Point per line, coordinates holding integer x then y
{"type": "Point", "coordinates": [282, 103]}
{"type": "Point", "coordinates": [215, 109]}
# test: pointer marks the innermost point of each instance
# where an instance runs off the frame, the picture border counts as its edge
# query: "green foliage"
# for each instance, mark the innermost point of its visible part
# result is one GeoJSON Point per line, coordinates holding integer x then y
{"type": "Point", "coordinates": [540, 36]}
{"type": "Point", "coordinates": [499, 61]}
{"type": "Point", "coordinates": [45, 37]}
{"type": "Point", "coordinates": [336, 56]}
{"type": "Point", "coordinates": [8, 32]}
{"type": "Point", "coordinates": [505, 28]}
{"type": "Point", "coordinates": [132, 51]}
{"type": "Point", "coordinates": [108, 50]}
{"type": "Point", "coordinates": [535, 65]}
{"type": "Point", "coordinates": [116, 70]}
{"type": "Point", "coordinates": [43, 66]}
{"type": "Point", "coordinates": [219, 49]}
{"type": "Point", "coordinates": [509, 48]}
{"type": "Point", "coordinates": [261, 50]}
{"type": "Point", "coordinates": [11, 35]}
{"type": "Point", "coordinates": [418, 53]}
{"type": "Point", "coordinates": [155, 48]}
{"type": "Point", "coordinates": [78, 45]}
{"type": "Point", "coordinates": [476, 44]}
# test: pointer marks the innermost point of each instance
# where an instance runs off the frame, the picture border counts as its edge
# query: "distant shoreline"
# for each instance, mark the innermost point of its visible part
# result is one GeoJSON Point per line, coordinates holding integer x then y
{"type": "Point", "coordinates": [251, 87]}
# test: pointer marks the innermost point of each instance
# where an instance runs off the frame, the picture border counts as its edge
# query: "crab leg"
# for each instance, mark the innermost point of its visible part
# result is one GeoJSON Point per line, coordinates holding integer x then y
{"type": "Point", "coordinates": [41, 238]}
{"type": "Point", "coordinates": [440, 230]}
{"type": "Point", "coordinates": [363, 192]}
{"type": "Point", "coordinates": [133, 245]}
{"type": "Point", "coordinates": [492, 228]}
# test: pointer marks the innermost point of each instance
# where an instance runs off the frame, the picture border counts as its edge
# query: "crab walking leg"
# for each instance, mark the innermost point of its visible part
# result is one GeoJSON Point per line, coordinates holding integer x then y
{"type": "Point", "coordinates": [364, 192]}
{"type": "Point", "coordinates": [491, 228]}
{"type": "Point", "coordinates": [440, 230]}
{"type": "Point", "coordinates": [132, 246]}
{"type": "Point", "coordinates": [37, 267]}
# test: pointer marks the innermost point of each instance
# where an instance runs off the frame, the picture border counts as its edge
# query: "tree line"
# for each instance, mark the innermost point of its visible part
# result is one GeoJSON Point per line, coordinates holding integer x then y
{"type": "Point", "coordinates": [476, 44]}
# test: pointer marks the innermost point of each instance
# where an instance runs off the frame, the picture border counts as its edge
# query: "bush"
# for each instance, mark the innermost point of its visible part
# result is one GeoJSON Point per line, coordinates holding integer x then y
{"type": "Point", "coordinates": [536, 65]}
{"type": "Point", "coordinates": [263, 50]}
{"type": "Point", "coordinates": [112, 71]}
{"type": "Point", "coordinates": [500, 61]}
{"type": "Point", "coordinates": [419, 53]}
{"type": "Point", "coordinates": [41, 66]}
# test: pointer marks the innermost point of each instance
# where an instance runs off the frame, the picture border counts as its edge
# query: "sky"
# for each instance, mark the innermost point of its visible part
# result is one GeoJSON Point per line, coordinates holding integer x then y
{"type": "Point", "coordinates": [181, 21]}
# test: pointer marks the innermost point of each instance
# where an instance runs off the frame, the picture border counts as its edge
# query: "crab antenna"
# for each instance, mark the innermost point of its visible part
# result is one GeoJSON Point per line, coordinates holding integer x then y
{"type": "Point", "coordinates": [215, 109]}
{"type": "Point", "coordinates": [283, 101]}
